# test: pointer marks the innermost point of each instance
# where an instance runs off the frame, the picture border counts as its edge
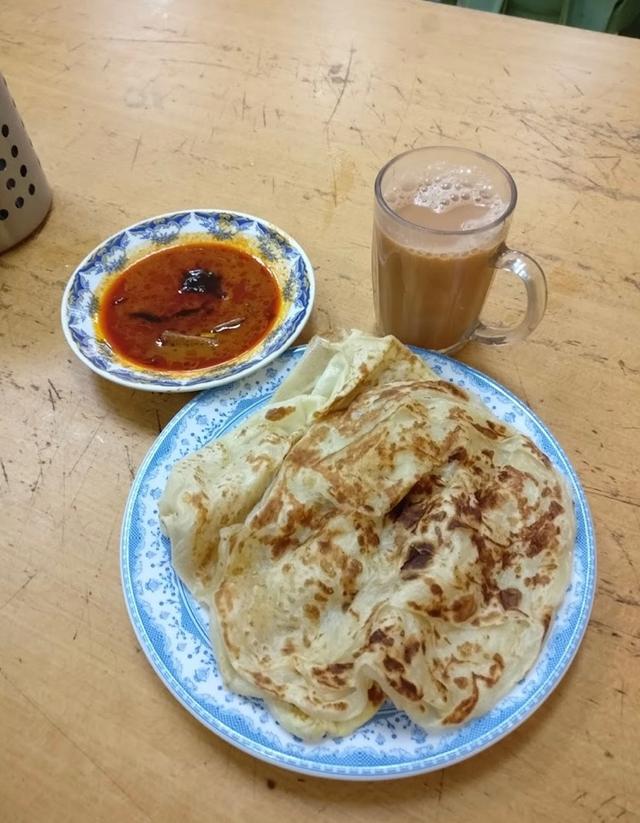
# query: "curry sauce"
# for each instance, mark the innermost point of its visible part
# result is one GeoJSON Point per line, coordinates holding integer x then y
{"type": "Point", "coordinates": [189, 307]}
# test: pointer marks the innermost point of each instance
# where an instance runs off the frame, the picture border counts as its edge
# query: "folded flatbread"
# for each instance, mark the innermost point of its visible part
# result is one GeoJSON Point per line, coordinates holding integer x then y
{"type": "Point", "coordinates": [371, 532]}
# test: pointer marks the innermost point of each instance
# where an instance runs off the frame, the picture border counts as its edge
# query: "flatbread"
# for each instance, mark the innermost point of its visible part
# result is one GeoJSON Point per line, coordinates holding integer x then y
{"type": "Point", "coordinates": [374, 531]}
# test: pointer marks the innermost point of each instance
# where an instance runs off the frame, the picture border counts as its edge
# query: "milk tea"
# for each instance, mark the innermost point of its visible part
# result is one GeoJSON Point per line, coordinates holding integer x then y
{"type": "Point", "coordinates": [435, 245]}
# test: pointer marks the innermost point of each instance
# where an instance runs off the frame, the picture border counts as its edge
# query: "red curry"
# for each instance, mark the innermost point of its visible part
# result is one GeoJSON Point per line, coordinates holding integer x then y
{"type": "Point", "coordinates": [188, 307]}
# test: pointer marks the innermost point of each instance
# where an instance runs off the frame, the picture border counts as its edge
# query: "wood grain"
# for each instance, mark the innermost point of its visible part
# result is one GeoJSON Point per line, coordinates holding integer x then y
{"type": "Point", "coordinates": [137, 109]}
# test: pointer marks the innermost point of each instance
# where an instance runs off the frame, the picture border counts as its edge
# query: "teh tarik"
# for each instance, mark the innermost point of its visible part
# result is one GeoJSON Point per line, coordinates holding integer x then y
{"type": "Point", "coordinates": [435, 245]}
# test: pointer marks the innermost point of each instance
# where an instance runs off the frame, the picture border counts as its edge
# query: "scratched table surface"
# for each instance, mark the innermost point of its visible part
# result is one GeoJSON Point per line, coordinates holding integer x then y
{"type": "Point", "coordinates": [288, 111]}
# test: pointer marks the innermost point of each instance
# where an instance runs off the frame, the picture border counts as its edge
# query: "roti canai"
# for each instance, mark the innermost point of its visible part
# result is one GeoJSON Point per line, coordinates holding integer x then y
{"type": "Point", "coordinates": [372, 532]}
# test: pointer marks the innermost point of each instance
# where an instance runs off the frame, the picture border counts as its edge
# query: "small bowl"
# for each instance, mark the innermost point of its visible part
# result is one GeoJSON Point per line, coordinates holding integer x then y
{"type": "Point", "coordinates": [269, 244]}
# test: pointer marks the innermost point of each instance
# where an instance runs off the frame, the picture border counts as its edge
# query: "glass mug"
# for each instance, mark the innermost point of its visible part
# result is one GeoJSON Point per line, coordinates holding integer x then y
{"type": "Point", "coordinates": [439, 233]}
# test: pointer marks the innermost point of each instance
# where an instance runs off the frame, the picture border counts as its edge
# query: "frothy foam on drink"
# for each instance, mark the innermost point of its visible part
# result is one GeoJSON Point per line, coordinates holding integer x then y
{"type": "Point", "coordinates": [432, 268]}
{"type": "Point", "coordinates": [453, 198]}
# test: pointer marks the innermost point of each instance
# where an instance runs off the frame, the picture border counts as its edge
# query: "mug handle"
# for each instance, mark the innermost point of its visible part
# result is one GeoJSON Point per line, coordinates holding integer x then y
{"type": "Point", "coordinates": [532, 276]}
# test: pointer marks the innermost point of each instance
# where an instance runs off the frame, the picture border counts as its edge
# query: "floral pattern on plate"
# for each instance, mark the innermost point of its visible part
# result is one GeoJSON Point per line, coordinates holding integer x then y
{"type": "Point", "coordinates": [173, 629]}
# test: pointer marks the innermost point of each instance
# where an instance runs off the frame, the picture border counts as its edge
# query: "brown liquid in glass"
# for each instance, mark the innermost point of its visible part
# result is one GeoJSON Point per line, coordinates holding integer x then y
{"type": "Point", "coordinates": [427, 299]}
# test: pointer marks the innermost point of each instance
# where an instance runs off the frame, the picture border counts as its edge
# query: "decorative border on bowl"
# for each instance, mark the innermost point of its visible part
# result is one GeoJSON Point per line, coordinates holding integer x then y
{"type": "Point", "coordinates": [278, 250]}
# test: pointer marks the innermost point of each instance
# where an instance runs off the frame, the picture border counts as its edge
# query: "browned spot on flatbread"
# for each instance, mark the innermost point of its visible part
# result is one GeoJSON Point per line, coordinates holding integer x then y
{"type": "Point", "coordinates": [299, 519]}
{"type": "Point", "coordinates": [303, 454]}
{"type": "Point", "coordinates": [288, 647]}
{"type": "Point", "coordinates": [339, 705]}
{"type": "Point", "coordinates": [381, 637]}
{"type": "Point", "coordinates": [542, 457]}
{"type": "Point", "coordinates": [494, 431]}
{"type": "Point", "coordinates": [459, 455]}
{"type": "Point", "coordinates": [257, 461]}
{"type": "Point", "coordinates": [349, 580]}
{"type": "Point", "coordinates": [416, 503]}
{"type": "Point", "coordinates": [338, 668]}
{"type": "Point", "coordinates": [468, 648]}
{"type": "Point", "coordinates": [409, 689]}
{"type": "Point", "coordinates": [463, 608]}
{"type": "Point", "coordinates": [514, 480]}
{"type": "Point", "coordinates": [268, 513]}
{"type": "Point", "coordinates": [487, 498]}
{"type": "Point", "coordinates": [368, 537]}
{"type": "Point", "coordinates": [311, 611]}
{"type": "Point", "coordinates": [205, 551]}
{"type": "Point", "coordinates": [555, 509]}
{"type": "Point", "coordinates": [537, 580]}
{"type": "Point", "coordinates": [228, 642]}
{"type": "Point", "coordinates": [464, 708]}
{"type": "Point", "coordinates": [411, 648]}
{"type": "Point", "coordinates": [467, 506]}
{"type": "Point", "coordinates": [331, 675]}
{"type": "Point", "coordinates": [407, 515]}
{"type": "Point", "coordinates": [375, 694]}
{"type": "Point", "coordinates": [510, 598]}
{"type": "Point", "coordinates": [197, 500]}
{"type": "Point", "coordinates": [419, 556]}
{"type": "Point", "coordinates": [540, 534]}
{"type": "Point", "coordinates": [440, 686]}
{"type": "Point", "coordinates": [392, 665]}
{"type": "Point", "coordinates": [224, 598]}
{"type": "Point", "coordinates": [443, 385]}
{"type": "Point", "coordinates": [495, 670]}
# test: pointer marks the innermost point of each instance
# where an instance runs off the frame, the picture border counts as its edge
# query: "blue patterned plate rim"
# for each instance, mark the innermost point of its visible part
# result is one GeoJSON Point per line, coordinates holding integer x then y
{"type": "Point", "coordinates": [359, 764]}
{"type": "Point", "coordinates": [128, 375]}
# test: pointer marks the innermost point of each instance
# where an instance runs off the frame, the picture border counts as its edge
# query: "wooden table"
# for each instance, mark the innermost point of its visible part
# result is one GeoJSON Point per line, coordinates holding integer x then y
{"type": "Point", "coordinates": [287, 111]}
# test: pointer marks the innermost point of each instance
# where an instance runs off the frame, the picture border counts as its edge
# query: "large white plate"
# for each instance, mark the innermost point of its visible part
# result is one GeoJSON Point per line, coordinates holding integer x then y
{"type": "Point", "coordinates": [172, 627]}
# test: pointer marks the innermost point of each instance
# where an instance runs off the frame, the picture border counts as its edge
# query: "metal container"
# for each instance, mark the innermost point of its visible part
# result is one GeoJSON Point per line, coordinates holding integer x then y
{"type": "Point", "coordinates": [25, 196]}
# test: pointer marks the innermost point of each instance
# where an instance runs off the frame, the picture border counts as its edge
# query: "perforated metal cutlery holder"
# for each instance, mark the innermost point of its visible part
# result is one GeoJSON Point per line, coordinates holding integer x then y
{"type": "Point", "coordinates": [25, 196]}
